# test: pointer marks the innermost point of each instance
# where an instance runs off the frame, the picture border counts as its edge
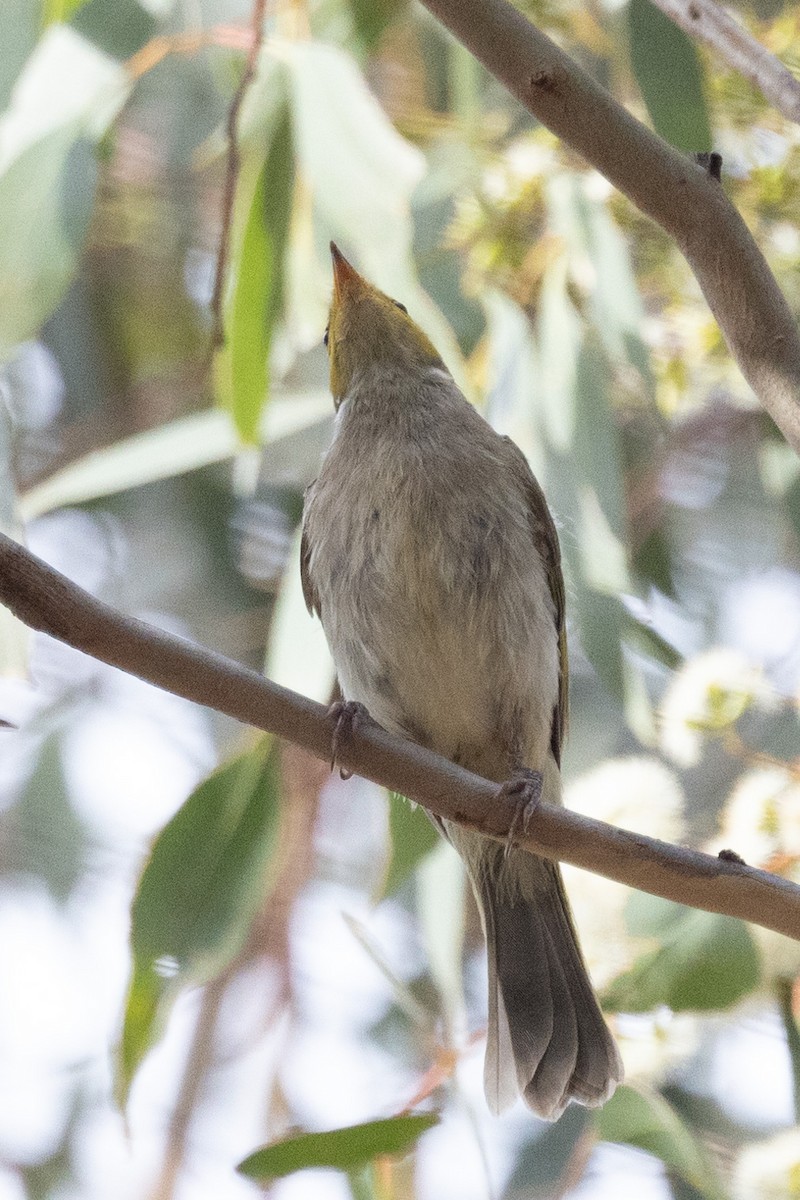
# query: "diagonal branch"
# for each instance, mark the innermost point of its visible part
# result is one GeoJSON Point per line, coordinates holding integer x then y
{"type": "Point", "coordinates": [709, 22]}
{"type": "Point", "coordinates": [667, 186]}
{"type": "Point", "coordinates": [47, 601]}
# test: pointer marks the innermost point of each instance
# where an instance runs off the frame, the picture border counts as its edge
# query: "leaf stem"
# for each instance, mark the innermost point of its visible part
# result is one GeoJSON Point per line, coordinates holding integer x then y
{"type": "Point", "coordinates": [784, 990]}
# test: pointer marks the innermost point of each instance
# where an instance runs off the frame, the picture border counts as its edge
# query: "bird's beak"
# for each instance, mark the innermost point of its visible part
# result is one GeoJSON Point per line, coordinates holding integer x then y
{"type": "Point", "coordinates": [345, 277]}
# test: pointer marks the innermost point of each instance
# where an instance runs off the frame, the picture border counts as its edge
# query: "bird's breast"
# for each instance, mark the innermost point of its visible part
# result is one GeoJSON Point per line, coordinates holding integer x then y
{"type": "Point", "coordinates": [435, 603]}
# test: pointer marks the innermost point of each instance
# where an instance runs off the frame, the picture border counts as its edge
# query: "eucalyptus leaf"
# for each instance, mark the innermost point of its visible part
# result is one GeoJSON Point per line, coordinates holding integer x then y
{"type": "Point", "coordinates": [361, 176]}
{"type": "Point", "coordinates": [582, 474]}
{"type": "Point", "coordinates": [20, 32]}
{"type": "Point", "coordinates": [646, 1120]}
{"type": "Point", "coordinates": [616, 306]}
{"type": "Point", "coordinates": [62, 103]}
{"type": "Point", "coordinates": [513, 371]}
{"type": "Point", "coordinates": [46, 198]}
{"type": "Point", "coordinates": [704, 962]}
{"type": "Point", "coordinates": [207, 875]}
{"type": "Point", "coordinates": [412, 836]}
{"type": "Point", "coordinates": [118, 27]}
{"type": "Point", "coordinates": [668, 71]}
{"type": "Point", "coordinates": [344, 1149]}
{"type": "Point", "coordinates": [559, 337]}
{"type": "Point", "coordinates": [441, 895]}
{"type": "Point", "coordinates": [544, 1160]}
{"type": "Point", "coordinates": [372, 18]}
{"type": "Point", "coordinates": [59, 10]}
{"type": "Point", "coordinates": [242, 369]}
{"type": "Point", "coordinates": [170, 450]}
{"type": "Point", "coordinates": [362, 172]}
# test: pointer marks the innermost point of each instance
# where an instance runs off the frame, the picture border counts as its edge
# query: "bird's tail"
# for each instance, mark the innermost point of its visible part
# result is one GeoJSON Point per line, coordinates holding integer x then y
{"type": "Point", "coordinates": [546, 1037]}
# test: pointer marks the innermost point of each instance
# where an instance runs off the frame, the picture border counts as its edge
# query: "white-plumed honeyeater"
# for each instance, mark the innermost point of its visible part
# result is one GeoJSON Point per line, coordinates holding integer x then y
{"type": "Point", "coordinates": [431, 557]}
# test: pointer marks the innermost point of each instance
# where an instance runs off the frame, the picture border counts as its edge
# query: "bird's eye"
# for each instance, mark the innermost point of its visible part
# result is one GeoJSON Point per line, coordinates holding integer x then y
{"type": "Point", "coordinates": [402, 307]}
{"type": "Point", "coordinates": [325, 339]}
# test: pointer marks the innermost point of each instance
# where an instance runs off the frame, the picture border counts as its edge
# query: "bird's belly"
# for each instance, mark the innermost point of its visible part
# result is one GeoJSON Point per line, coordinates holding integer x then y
{"type": "Point", "coordinates": [427, 685]}
{"type": "Point", "coordinates": [471, 672]}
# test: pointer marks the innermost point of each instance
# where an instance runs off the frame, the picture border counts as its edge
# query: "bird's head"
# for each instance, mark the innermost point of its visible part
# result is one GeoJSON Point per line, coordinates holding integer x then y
{"type": "Point", "coordinates": [367, 329]}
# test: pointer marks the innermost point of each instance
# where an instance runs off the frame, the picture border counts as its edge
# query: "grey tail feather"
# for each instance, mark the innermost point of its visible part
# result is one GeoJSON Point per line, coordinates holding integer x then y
{"type": "Point", "coordinates": [547, 1037]}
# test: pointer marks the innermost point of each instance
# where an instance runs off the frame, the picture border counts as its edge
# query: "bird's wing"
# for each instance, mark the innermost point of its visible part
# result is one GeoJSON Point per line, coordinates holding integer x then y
{"type": "Point", "coordinates": [545, 537]}
{"type": "Point", "coordinates": [309, 592]}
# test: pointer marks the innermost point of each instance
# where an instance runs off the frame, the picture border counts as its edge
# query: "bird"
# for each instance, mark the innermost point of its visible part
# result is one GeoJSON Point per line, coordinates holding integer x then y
{"type": "Point", "coordinates": [432, 560]}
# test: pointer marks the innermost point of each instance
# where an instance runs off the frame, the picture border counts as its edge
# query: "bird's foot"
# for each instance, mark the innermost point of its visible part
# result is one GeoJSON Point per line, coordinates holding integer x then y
{"type": "Point", "coordinates": [524, 788]}
{"type": "Point", "coordinates": [347, 716]}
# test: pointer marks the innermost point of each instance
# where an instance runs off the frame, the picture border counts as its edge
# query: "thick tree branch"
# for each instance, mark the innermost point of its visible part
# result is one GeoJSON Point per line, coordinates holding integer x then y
{"type": "Point", "coordinates": [47, 601]}
{"type": "Point", "coordinates": [667, 186]}
{"type": "Point", "coordinates": [709, 22]}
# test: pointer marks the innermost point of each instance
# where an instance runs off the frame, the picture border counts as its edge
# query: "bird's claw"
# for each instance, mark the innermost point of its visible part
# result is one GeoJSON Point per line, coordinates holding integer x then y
{"type": "Point", "coordinates": [525, 789]}
{"type": "Point", "coordinates": [346, 716]}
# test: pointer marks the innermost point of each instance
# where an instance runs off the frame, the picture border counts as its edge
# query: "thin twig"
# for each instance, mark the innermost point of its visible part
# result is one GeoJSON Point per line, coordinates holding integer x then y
{"type": "Point", "coordinates": [160, 47]}
{"type": "Point", "coordinates": [201, 1055]}
{"type": "Point", "coordinates": [709, 22]}
{"type": "Point", "coordinates": [667, 186]}
{"type": "Point", "coordinates": [232, 173]}
{"type": "Point", "coordinates": [785, 994]}
{"type": "Point", "coordinates": [45, 600]}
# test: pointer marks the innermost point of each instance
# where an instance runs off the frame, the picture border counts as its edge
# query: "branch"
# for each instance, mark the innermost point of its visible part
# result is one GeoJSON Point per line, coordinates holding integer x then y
{"type": "Point", "coordinates": [709, 22]}
{"type": "Point", "coordinates": [47, 601]}
{"type": "Point", "coordinates": [667, 186]}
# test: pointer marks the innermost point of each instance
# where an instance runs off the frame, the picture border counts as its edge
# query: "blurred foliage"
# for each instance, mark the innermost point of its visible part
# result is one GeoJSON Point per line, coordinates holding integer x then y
{"type": "Point", "coordinates": [168, 480]}
{"type": "Point", "coordinates": [345, 1149]}
{"type": "Point", "coordinates": [199, 893]}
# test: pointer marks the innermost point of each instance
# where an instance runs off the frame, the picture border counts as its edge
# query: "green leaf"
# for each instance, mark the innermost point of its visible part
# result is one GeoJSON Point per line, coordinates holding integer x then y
{"type": "Point", "coordinates": [20, 32]}
{"type": "Point", "coordinates": [653, 561]}
{"type": "Point", "coordinates": [643, 637]}
{"type": "Point", "coordinates": [545, 1158]}
{"type": "Point", "coordinates": [616, 306]}
{"type": "Point", "coordinates": [256, 297]}
{"type": "Point", "coordinates": [298, 655]}
{"type": "Point", "coordinates": [513, 373]}
{"type": "Point", "coordinates": [46, 839]}
{"type": "Point", "coordinates": [205, 880]}
{"type": "Point", "coordinates": [46, 198]}
{"type": "Point", "coordinates": [412, 836]}
{"type": "Point", "coordinates": [63, 102]}
{"type": "Point", "coordinates": [344, 1149]}
{"type": "Point", "coordinates": [705, 961]}
{"type": "Point", "coordinates": [580, 428]}
{"type": "Point", "coordinates": [372, 18]}
{"type": "Point", "coordinates": [647, 1121]}
{"type": "Point", "coordinates": [441, 893]}
{"type": "Point", "coordinates": [361, 175]}
{"type": "Point", "coordinates": [118, 27]}
{"type": "Point", "coordinates": [600, 622]}
{"type": "Point", "coordinates": [360, 169]}
{"type": "Point", "coordinates": [173, 449]}
{"type": "Point", "coordinates": [583, 472]}
{"type": "Point", "coordinates": [670, 77]}
{"type": "Point", "coordinates": [582, 464]}
{"type": "Point", "coordinates": [560, 335]}
{"type": "Point", "coordinates": [59, 10]}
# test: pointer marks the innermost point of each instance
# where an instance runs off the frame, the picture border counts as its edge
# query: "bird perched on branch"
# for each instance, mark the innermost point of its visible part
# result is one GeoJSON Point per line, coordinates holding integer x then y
{"type": "Point", "coordinates": [431, 558]}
